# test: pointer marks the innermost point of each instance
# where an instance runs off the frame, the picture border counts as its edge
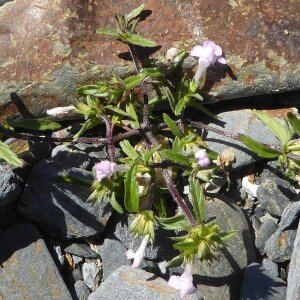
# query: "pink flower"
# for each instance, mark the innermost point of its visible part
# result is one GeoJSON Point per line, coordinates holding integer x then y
{"type": "Point", "coordinates": [106, 169]}
{"type": "Point", "coordinates": [202, 158]}
{"type": "Point", "coordinates": [208, 54]}
{"type": "Point", "coordinates": [184, 283]}
{"type": "Point", "coordinates": [139, 254]}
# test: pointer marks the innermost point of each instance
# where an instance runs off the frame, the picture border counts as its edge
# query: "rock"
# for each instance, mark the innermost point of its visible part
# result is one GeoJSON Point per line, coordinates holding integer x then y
{"type": "Point", "coordinates": [118, 229]}
{"type": "Point", "coordinates": [293, 289]}
{"type": "Point", "coordinates": [81, 250]}
{"type": "Point", "coordinates": [8, 216]}
{"type": "Point", "coordinates": [290, 215]}
{"type": "Point", "coordinates": [91, 275]}
{"type": "Point", "coordinates": [9, 186]}
{"type": "Point", "coordinates": [136, 284]}
{"type": "Point", "coordinates": [113, 256]}
{"type": "Point", "coordinates": [221, 279]}
{"type": "Point", "coordinates": [70, 155]}
{"type": "Point", "coordinates": [73, 276]}
{"type": "Point", "coordinates": [56, 57]}
{"type": "Point", "coordinates": [279, 247]}
{"type": "Point", "coordinates": [270, 266]}
{"type": "Point", "coordinates": [235, 122]}
{"type": "Point", "coordinates": [60, 208]}
{"type": "Point", "coordinates": [266, 230]}
{"type": "Point", "coordinates": [82, 292]}
{"type": "Point", "coordinates": [258, 284]}
{"type": "Point", "coordinates": [274, 194]}
{"type": "Point", "coordinates": [28, 271]}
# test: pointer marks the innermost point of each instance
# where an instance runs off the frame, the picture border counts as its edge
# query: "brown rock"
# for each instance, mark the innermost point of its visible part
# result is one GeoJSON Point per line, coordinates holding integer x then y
{"type": "Point", "coordinates": [49, 47]}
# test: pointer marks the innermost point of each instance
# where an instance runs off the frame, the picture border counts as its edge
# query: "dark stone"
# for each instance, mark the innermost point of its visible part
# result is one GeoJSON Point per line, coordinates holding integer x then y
{"type": "Point", "coordinates": [81, 250]}
{"type": "Point", "coordinates": [8, 216]}
{"type": "Point", "coordinates": [9, 186]}
{"type": "Point", "coordinates": [91, 275]}
{"type": "Point", "coordinates": [27, 269]}
{"type": "Point", "coordinates": [290, 215]}
{"type": "Point", "coordinates": [274, 194]}
{"type": "Point", "coordinates": [293, 289]}
{"type": "Point", "coordinates": [60, 208]}
{"type": "Point", "coordinates": [235, 122]}
{"type": "Point", "coordinates": [259, 212]}
{"type": "Point", "coordinates": [270, 266]}
{"type": "Point", "coordinates": [81, 290]}
{"type": "Point", "coordinates": [113, 256]}
{"type": "Point", "coordinates": [73, 276]}
{"type": "Point", "coordinates": [136, 284]}
{"type": "Point", "coordinates": [259, 284]}
{"type": "Point", "coordinates": [221, 279]}
{"type": "Point", "coordinates": [265, 231]}
{"type": "Point", "coordinates": [279, 247]}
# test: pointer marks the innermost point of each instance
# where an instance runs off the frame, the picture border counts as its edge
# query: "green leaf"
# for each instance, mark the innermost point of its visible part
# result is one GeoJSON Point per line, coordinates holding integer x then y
{"type": "Point", "coordinates": [131, 198]}
{"type": "Point", "coordinates": [134, 80]}
{"type": "Point", "coordinates": [202, 108]}
{"type": "Point", "coordinates": [151, 72]}
{"type": "Point", "coordinates": [118, 111]}
{"type": "Point", "coordinates": [172, 126]}
{"type": "Point", "coordinates": [88, 124]}
{"type": "Point", "coordinates": [75, 180]}
{"type": "Point", "coordinates": [107, 31]}
{"type": "Point", "coordinates": [178, 222]}
{"type": "Point", "coordinates": [175, 262]}
{"type": "Point", "coordinates": [92, 90]}
{"type": "Point", "coordinates": [134, 13]}
{"type": "Point", "coordinates": [138, 40]}
{"type": "Point", "coordinates": [259, 148]}
{"type": "Point", "coordinates": [114, 203]}
{"type": "Point", "coordinates": [170, 97]}
{"type": "Point", "coordinates": [37, 124]}
{"type": "Point", "coordinates": [131, 111]}
{"type": "Point", "coordinates": [9, 156]}
{"type": "Point", "coordinates": [176, 157]}
{"type": "Point", "coordinates": [129, 150]}
{"type": "Point", "coordinates": [149, 153]}
{"type": "Point", "coordinates": [182, 246]}
{"type": "Point", "coordinates": [182, 103]}
{"type": "Point", "coordinates": [197, 199]}
{"type": "Point", "coordinates": [295, 122]}
{"type": "Point", "coordinates": [280, 131]}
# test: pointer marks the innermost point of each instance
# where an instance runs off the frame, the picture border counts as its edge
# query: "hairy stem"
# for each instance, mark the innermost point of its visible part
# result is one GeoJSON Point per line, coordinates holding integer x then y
{"type": "Point", "coordinates": [109, 136]}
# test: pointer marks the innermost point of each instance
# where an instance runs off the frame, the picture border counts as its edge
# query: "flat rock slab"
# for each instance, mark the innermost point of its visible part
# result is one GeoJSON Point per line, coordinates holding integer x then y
{"type": "Point", "coordinates": [27, 268]}
{"type": "Point", "coordinates": [222, 279]}
{"type": "Point", "coordinates": [258, 284]}
{"type": "Point", "coordinates": [136, 284]}
{"type": "Point", "coordinates": [60, 208]}
{"type": "Point", "coordinates": [50, 58]}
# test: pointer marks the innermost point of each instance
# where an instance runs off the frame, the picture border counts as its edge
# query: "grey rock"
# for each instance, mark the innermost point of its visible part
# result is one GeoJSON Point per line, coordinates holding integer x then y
{"type": "Point", "coordinates": [136, 284]}
{"type": "Point", "coordinates": [279, 247]}
{"type": "Point", "coordinates": [258, 284]}
{"type": "Point", "coordinates": [27, 269]}
{"type": "Point", "coordinates": [113, 256]}
{"type": "Point", "coordinates": [118, 229]}
{"type": "Point", "coordinates": [91, 275]}
{"type": "Point", "coordinates": [73, 276]}
{"type": "Point", "coordinates": [71, 156]}
{"type": "Point", "coordinates": [293, 289]}
{"type": "Point", "coordinates": [221, 279]}
{"type": "Point", "coordinates": [289, 216]}
{"type": "Point", "coordinates": [274, 194]}
{"type": "Point", "coordinates": [81, 250]}
{"type": "Point", "coordinates": [270, 266]}
{"type": "Point", "coordinates": [60, 208]}
{"type": "Point", "coordinates": [9, 186]}
{"type": "Point", "coordinates": [265, 231]}
{"type": "Point", "coordinates": [2, 2]}
{"type": "Point", "coordinates": [82, 292]}
{"type": "Point", "coordinates": [76, 259]}
{"type": "Point", "coordinates": [235, 122]}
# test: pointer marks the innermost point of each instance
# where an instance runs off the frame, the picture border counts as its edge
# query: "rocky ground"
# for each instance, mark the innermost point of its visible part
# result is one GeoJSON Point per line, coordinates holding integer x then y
{"type": "Point", "coordinates": [56, 245]}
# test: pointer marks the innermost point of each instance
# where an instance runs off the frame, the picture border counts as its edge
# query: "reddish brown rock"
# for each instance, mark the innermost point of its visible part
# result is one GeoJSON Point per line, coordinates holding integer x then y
{"type": "Point", "coordinates": [49, 47]}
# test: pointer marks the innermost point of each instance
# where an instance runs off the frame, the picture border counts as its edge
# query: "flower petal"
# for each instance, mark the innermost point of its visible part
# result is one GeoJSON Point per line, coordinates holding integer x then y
{"type": "Point", "coordinates": [222, 60]}
{"type": "Point", "coordinates": [218, 50]}
{"type": "Point", "coordinates": [130, 254]}
{"type": "Point", "coordinates": [197, 51]}
{"type": "Point", "coordinates": [174, 282]}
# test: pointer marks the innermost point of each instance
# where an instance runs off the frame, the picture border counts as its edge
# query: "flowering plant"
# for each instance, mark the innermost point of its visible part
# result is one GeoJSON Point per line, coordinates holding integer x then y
{"type": "Point", "coordinates": [159, 149]}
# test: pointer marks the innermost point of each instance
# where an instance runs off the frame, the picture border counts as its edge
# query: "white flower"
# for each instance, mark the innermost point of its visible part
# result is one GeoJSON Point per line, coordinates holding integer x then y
{"type": "Point", "coordinates": [184, 283]}
{"type": "Point", "coordinates": [249, 187]}
{"type": "Point", "coordinates": [106, 169]}
{"type": "Point", "coordinates": [139, 254]}
{"type": "Point", "coordinates": [60, 112]}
